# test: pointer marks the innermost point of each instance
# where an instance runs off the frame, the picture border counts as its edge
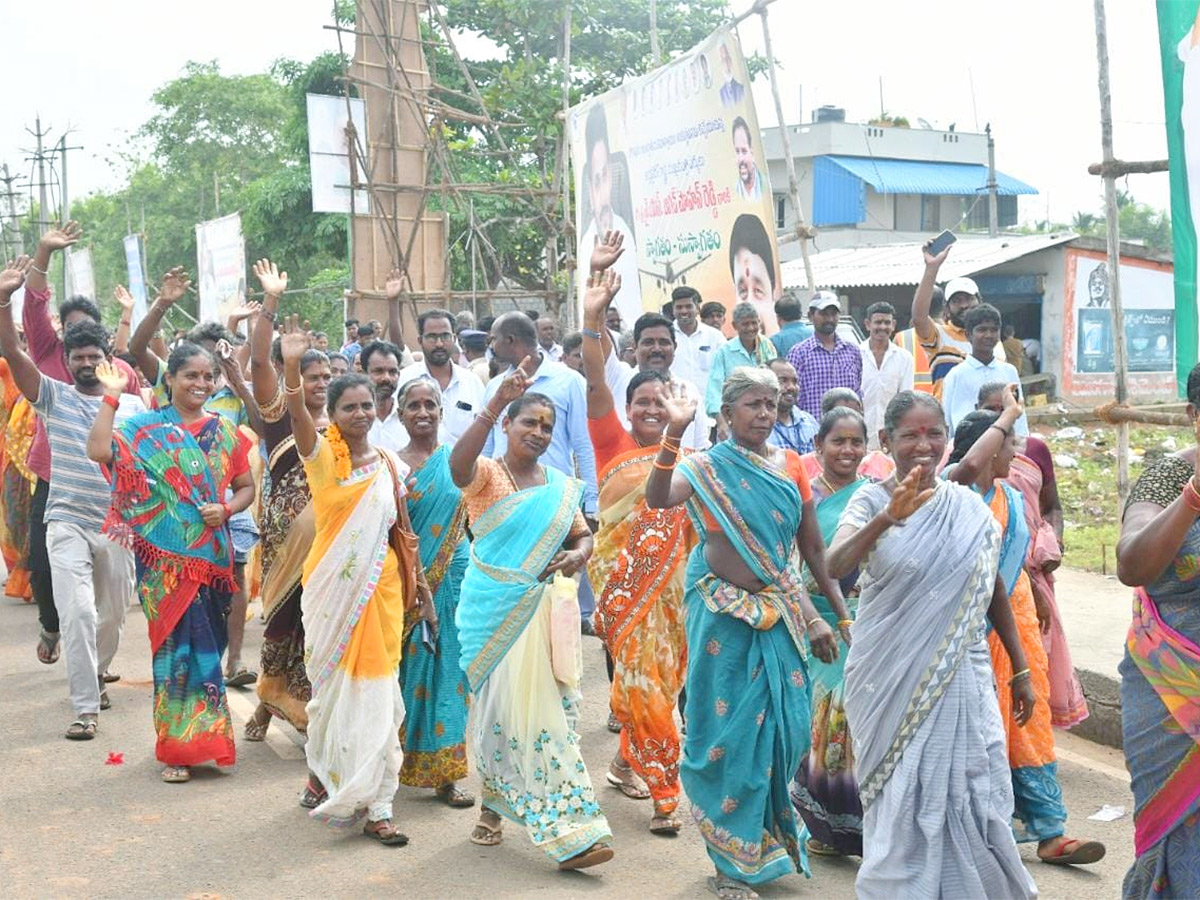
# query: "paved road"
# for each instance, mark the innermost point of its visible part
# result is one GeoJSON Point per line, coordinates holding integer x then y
{"type": "Point", "coordinates": [73, 826]}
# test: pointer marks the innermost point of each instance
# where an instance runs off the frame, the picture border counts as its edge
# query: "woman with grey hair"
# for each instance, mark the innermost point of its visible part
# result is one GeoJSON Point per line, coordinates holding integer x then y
{"type": "Point", "coordinates": [431, 680]}
{"type": "Point", "coordinates": [748, 617]}
{"type": "Point", "coordinates": [747, 348]}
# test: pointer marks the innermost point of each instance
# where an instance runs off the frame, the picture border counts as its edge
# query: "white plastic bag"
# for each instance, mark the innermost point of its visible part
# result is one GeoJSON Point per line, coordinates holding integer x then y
{"type": "Point", "coordinates": [566, 644]}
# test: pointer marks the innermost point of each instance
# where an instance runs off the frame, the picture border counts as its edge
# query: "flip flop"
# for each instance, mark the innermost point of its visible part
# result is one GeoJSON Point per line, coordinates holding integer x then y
{"type": "Point", "coordinates": [452, 796]}
{"type": "Point", "coordinates": [110, 677]}
{"type": "Point", "coordinates": [176, 774]}
{"type": "Point", "coordinates": [82, 730]}
{"type": "Point", "coordinates": [728, 889]}
{"type": "Point", "coordinates": [630, 789]}
{"type": "Point", "coordinates": [613, 724]}
{"type": "Point", "coordinates": [388, 835]}
{"type": "Point", "coordinates": [485, 835]}
{"type": "Point", "coordinates": [243, 677]}
{"type": "Point", "coordinates": [667, 825]}
{"type": "Point", "coordinates": [311, 799]}
{"type": "Point", "coordinates": [105, 703]}
{"type": "Point", "coordinates": [1083, 853]}
{"type": "Point", "coordinates": [592, 856]}
{"type": "Point", "coordinates": [47, 648]}
{"type": "Point", "coordinates": [255, 732]}
{"type": "Point", "coordinates": [816, 848]}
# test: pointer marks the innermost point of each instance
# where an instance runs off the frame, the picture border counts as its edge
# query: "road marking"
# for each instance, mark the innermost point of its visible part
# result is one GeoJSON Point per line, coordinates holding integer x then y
{"type": "Point", "coordinates": [281, 737]}
{"type": "Point", "coordinates": [1080, 759]}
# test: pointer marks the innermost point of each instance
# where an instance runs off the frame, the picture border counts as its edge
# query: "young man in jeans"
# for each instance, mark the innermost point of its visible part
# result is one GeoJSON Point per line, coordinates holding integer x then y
{"type": "Point", "coordinates": [93, 576]}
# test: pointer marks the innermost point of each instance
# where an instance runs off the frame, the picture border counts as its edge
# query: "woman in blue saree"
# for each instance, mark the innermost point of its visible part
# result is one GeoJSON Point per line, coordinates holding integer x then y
{"type": "Point", "coordinates": [747, 616]}
{"type": "Point", "coordinates": [1159, 555]}
{"type": "Point", "coordinates": [526, 526]}
{"type": "Point", "coordinates": [433, 683]}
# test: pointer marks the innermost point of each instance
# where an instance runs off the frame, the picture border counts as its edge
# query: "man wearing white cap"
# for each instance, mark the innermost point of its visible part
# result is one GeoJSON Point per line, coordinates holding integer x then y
{"type": "Point", "coordinates": [825, 361]}
{"type": "Point", "coordinates": [945, 342]}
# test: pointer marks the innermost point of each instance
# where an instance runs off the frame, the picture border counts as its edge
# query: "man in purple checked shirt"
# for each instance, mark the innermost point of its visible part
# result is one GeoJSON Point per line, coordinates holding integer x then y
{"type": "Point", "coordinates": [825, 361]}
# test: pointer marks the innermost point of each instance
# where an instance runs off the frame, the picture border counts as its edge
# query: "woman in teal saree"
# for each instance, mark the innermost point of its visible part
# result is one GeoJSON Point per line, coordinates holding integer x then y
{"type": "Point", "coordinates": [433, 683]}
{"type": "Point", "coordinates": [526, 526]}
{"type": "Point", "coordinates": [748, 617]}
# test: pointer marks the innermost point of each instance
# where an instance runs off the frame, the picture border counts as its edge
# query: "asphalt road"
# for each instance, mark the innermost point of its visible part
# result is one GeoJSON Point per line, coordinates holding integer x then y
{"type": "Point", "coordinates": [74, 826]}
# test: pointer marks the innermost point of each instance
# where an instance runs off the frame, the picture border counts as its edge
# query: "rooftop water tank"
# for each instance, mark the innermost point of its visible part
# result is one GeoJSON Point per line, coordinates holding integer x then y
{"type": "Point", "coordinates": [829, 114]}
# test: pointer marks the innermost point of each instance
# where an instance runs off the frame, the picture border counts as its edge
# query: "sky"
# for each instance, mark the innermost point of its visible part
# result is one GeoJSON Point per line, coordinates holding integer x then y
{"type": "Point", "coordinates": [1026, 66]}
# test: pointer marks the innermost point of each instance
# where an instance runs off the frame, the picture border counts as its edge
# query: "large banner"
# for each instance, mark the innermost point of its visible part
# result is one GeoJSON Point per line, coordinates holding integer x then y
{"type": "Point", "coordinates": [137, 278]}
{"type": "Point", "coordinates": [81, 278]}
{"type": "Point", "coordinates": [220, 266]}
{"type": "Point", "coordinates": [329, 152]}
{"type": "Point", "coordinates": [1179, 42]}
{"type": "Point", "coordinates": [674, 161]}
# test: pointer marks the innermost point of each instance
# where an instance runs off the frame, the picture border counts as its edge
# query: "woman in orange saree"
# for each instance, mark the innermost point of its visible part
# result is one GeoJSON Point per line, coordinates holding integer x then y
{"type": "Point", "coordinates": [16, 486]}
{"type": "Point", "coordinates": [638, 564]}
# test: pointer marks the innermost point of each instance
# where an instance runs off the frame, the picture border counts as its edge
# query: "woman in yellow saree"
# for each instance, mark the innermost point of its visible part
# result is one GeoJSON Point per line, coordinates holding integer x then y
{"type": "Point", "coordinates": [353, 604]}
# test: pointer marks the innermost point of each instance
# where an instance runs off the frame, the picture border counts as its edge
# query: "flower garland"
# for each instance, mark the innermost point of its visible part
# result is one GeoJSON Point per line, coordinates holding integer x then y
{"type": "Point", "coordinates": [341, 453]}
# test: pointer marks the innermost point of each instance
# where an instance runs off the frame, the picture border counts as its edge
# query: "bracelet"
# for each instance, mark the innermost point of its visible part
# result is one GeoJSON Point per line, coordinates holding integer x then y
{"type": "Point", "coordinates": [228, 511]}
{"type": "Point", "coordinates": [809, 623]}
{"type": "Point", "coordinates": [112, 401]}
{"type": "Point", "coordinates": [672, 442]}
{"type": "Point", "coordinates": [665, 467]}
{"type": "Point", "coordinates": [487, 415]}
{"type": "Point", "coordinates": [1191, 497]}
{"type": "Point", "coordinates": [288, 389]}
{"type": "Point", "coordinates": [126, 322]}
{"type": "Point", "coordinates": [1024, 673]}
{"type": "Point", "coordinates": [588, 333]}
{"type": "Point", "coordinates": [845, 623]}
{"type": "Point", "coordinates": [267, 314]}
{"type": "Point", "coordinates": [8, 304]}
{"type": "Point", "coordinates": [1003, 431]}
{"type": "Point", "coordinates": [36, 269]}
{"type": "Point", "coordinates": [664, 447]}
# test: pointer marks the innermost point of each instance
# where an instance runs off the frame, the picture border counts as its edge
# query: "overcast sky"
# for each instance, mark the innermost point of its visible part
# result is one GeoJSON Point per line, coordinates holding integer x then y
{"type": "Point", "coordinates": [1032, 63]}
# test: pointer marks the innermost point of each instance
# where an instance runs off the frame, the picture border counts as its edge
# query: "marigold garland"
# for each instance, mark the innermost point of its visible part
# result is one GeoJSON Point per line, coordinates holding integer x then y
{"type": "Point", "coordinates": [341, 453]}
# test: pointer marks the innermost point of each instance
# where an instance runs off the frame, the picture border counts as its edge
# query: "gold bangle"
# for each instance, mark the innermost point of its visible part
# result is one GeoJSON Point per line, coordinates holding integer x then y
{"type": "Point", "coordinates": [288, 389]}
{"type": "Point", "coordinates": [809, 623]}
{"type": "Point", "coordinates": [1023, 673]}
{"type": "Point", "coordinates": [665, 467]}
{"type": "Point", "coordinates": [845, 623]}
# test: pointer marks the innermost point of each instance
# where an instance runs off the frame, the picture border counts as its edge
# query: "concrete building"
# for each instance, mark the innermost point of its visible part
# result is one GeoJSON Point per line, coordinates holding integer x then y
{"type": "Point", "coordinates": [1052, 288]}
{"type": "Point", "coordinates": [872, 184]}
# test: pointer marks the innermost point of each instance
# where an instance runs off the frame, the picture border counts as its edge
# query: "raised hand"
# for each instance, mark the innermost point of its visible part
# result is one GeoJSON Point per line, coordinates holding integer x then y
{"type": "Point", "coordinates": [1012, 402]}
{"type": "Point", "coordinates": [394, 286]}
{"type": "Point", "coordinates": [607, 250]}
{"type": "Point", "coordinates": [13, 274]}
{"type": "Point", "coordinates": [174, 285]}
{"type": "Point", "coordinates": [681, 408]}
{"type": "Point", "coordinates": [272, 280]}
{"type": "Point", "coordinates": [515, 385]}
{"type": "Point", "coordinates": [908, 497]}
{"type": "Point", "coordinates": [123, 297]}
{"type": "Point", "coordinates": [932, 259]}
{"type": "Point", "coordinates": [62, 236]}
{"type": "Point", "coordinates": [245, 310]}
{"type": "Point", "coordinates": [114, 380]}
{"type": "Point", "coordinates": [601, 288]}
{"type": "Point", "coordinates": [294, 341]}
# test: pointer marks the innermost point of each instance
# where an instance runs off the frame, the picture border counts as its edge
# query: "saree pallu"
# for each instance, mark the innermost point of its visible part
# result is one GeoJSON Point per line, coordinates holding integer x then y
{"type": "Point", "coordinates": [933, 774]}
{"type": "Point", "coordinates": [825, 789]}
{"type": "Point", "coordinates": [1068, 706]}
{"type": "Point", "coordinates": [434, 736]}
{"type": "Point", "coordinates": [353, 629]}
{"type": "Point", "coordinates": [288, 531]}
{"type": "Point", "coordinates": [526, 745]}
{"type": "Point", "coordinates": [748, 705]}
{"type": "Point", "coordinates": [163, 471]}
{"type": "Point", "coordinates": [1038, 810]}
{"type": "Point", "coordinates": [17, 496]}
{"type": "Point", "coordinates": [639, 557]}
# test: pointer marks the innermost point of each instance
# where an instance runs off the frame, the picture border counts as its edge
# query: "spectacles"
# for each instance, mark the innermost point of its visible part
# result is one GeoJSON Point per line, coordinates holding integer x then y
{"type": "Point", "coordinates": [444, 338]}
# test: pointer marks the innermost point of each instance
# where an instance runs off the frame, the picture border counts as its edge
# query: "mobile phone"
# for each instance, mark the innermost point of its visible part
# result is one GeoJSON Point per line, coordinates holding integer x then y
{"type": "Point", "coordinates": [941, 242]}
{"type": "Point", "coordinates": [427, 638]}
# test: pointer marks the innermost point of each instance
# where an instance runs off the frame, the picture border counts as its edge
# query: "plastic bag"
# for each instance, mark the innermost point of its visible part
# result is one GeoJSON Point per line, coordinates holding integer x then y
{"type": "Point", "coordinates": [566, 644]}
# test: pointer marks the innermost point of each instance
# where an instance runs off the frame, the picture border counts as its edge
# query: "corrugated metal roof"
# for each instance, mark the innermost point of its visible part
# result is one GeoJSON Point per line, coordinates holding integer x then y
{"type": "Point", "coordinates": [887, 264]}
{"type": "Point", "coordinates": [911, 176]}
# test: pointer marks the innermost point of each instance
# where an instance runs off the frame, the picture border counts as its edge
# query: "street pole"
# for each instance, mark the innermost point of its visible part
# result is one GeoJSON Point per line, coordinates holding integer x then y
{"type": "Point", "coordinates": [1113, 228]}
{"type": "Point", "coordinates": [655, 49]}
{"type": "Point", "coordinates": [993, 202]}
{"type": "Point", "coordinates": [41, 166]}
{"type": "Point", "coordinates": [68, 281]}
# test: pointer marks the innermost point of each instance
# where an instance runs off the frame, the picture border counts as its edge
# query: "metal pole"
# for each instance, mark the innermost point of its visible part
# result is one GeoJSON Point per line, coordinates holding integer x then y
{"type": "Point", "coordinates": [567, 230]}
{"type": "Point", "coordinates": [1120, 357]}
{"type": "Point", "coordinates": [68, 280]}
{"type": "Point", "coordinates": [793, 185]}
{"type": "Point", "coordinates": [993, 204]}
{"type": "Point", "coordinates": [41, 164]}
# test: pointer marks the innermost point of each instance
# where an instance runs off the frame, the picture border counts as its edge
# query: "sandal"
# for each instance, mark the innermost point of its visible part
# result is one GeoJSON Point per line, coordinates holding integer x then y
{"type": "Point", "coordinates": [593, 856]}
{"type": "Point", "coordinates": [110, 677]}
{"type": "Point", "coordinates": [243, 677]}
{"type": "Point", "coordinates": [176, 774]}
{"type": "Point", "coordinates": [1081, 853]}
{"type": "Point", "coordinates": [452, 796]}
{"type": "Point", "coordinates": [105, 703]}
{"type": "Point", "coordinates": [486, 835]}
{"type": "Point", "coordinates": [727, 889]}
{"type": "Point", "coordinates": [82, 730]}
{"type": "Point", "coordinates": [386, 833]}
{"type": "Point", "coordinates": [816, 848]}
{"type": "Point", "coordinates": [314, 794]}
{"type": "Point", "coordinates": [256, 732]}
{"type": "Point", "coordinates": [667, 824]}
{"type": "Point", "coordinates": [47, 648]}
{"type": "Point", "coordinates": [628, 783]}
{"type": "Point", "coordinates": [613, 724]}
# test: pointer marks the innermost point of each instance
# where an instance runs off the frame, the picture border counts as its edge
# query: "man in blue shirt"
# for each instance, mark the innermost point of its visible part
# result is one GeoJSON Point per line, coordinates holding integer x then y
{"type": "Point", "coordinates": [794, 428]}
{"type": "Point", "coordinates": [792, 327]}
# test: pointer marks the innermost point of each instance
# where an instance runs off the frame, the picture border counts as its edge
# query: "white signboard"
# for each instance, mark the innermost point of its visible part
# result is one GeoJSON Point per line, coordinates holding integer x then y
{"type": "Point", "coordinates": [329, 153]}
{"type": "Point", "coordinates": [81, 280]}
{"type": "Point", "coordinates": [137, 279]}
{"type": "Point", "coordinates": [220, 266]}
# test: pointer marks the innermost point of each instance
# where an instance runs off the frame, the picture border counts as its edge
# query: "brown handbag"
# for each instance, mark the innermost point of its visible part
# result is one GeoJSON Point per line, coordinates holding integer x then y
{"type": "Point", "coordinates": [408, 551]}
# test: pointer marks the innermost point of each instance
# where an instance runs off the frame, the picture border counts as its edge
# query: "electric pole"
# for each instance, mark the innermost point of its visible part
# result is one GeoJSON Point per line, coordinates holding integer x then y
{"type": "Point", "coordinates": [10, 228]}
{"type": "Point", "coordinates": [993, 202]}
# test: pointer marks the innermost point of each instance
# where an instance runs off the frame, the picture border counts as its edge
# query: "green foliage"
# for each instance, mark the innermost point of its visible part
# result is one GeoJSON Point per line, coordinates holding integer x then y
{"type": "Point", "coordinates": [1139, 222]}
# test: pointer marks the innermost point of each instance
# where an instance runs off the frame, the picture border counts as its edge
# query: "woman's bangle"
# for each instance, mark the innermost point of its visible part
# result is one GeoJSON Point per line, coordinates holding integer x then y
{"type": "Point", "coordinates": [1191, 497]}
{"type": "Point", "coordinates": [665, 467]}
{"type": "Point", "coordinates": [809, 623]}
{"type": "Point", "coordinates": [228, 511]}
{"type": "Point", "coordinates": [487, 415]}
{"type": "Point", "coordinates": [112, 401]}
{"type": "Point", "coordinates": [845, 623]}
{"type": "Point", "coordinates": [1017, 676]}
{"type": "Point", "coordinates": [36, 269]}
{"type": "Point", "coordinates": [267, 314]}
{"type": "Point", "coordinates": [288, 389]}
{"type": "Point", "coordinates": [1001, 429]}
{"type": "Point", "coordinates": [588, 333]}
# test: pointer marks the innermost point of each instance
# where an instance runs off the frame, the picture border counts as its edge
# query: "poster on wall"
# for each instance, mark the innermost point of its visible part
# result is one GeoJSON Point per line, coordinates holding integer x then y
{"type": "Point", "coordinates": [1179, 46]}
{"type": "Point", "coordinates": [137, 278]}
{"type": "Point", "coordinates": [220, 266]}
{"type": "Point", "coordinates": [674, 162]}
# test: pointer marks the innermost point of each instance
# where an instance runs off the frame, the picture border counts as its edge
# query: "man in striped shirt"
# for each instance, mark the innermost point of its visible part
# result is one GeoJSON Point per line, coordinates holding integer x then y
{"type": "Point", "coordinates": [93, 576]}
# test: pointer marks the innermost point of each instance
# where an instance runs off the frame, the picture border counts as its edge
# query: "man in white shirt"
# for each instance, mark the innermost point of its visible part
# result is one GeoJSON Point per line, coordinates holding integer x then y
{"type": "Point", "coordinates": [381, 364]}
{"type": "Point", "coordinates": [462, 391]}
{"type": "Point", "coordinates": [887, 368]}
{"type": "Point", "coordinates": [695, 343]}
{"type": "Point", "coordinates": [547, 330]}
{"type": "Point", "coordinates": [654, 348]}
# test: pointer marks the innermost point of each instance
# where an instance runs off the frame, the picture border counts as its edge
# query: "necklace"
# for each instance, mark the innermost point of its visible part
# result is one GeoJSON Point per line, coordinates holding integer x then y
{"type": "Point", "coordinates": [829, 485]}
{"type": "Point", "coordinates": [512, 478]}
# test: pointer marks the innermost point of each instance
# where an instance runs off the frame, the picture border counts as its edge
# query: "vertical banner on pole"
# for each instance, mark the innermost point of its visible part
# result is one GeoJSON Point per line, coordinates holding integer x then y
{"type": "Point", "coordinates": [137, 279]}
{"type": "Point", "coordinates": [82, 280]}
{"type": "Point", "coordinates": [674, 162]}
{"type": "Point", "coordinates": [1179, 44]}
{"type": "Point", "coordinates": [220, 266]}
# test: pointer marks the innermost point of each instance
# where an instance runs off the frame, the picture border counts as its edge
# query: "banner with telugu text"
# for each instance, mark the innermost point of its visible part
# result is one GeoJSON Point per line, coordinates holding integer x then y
{"type": "Point", "coordinates": [1179, 44]}
{"type": "Point", "coordinates": [674, 161]}
{"type": "Point", "coordinates": [220, 266]}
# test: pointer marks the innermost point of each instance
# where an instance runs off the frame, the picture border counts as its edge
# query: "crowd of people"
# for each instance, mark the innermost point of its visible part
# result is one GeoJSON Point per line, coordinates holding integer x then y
{"type": "Point", "coordinates": [821, 571]}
